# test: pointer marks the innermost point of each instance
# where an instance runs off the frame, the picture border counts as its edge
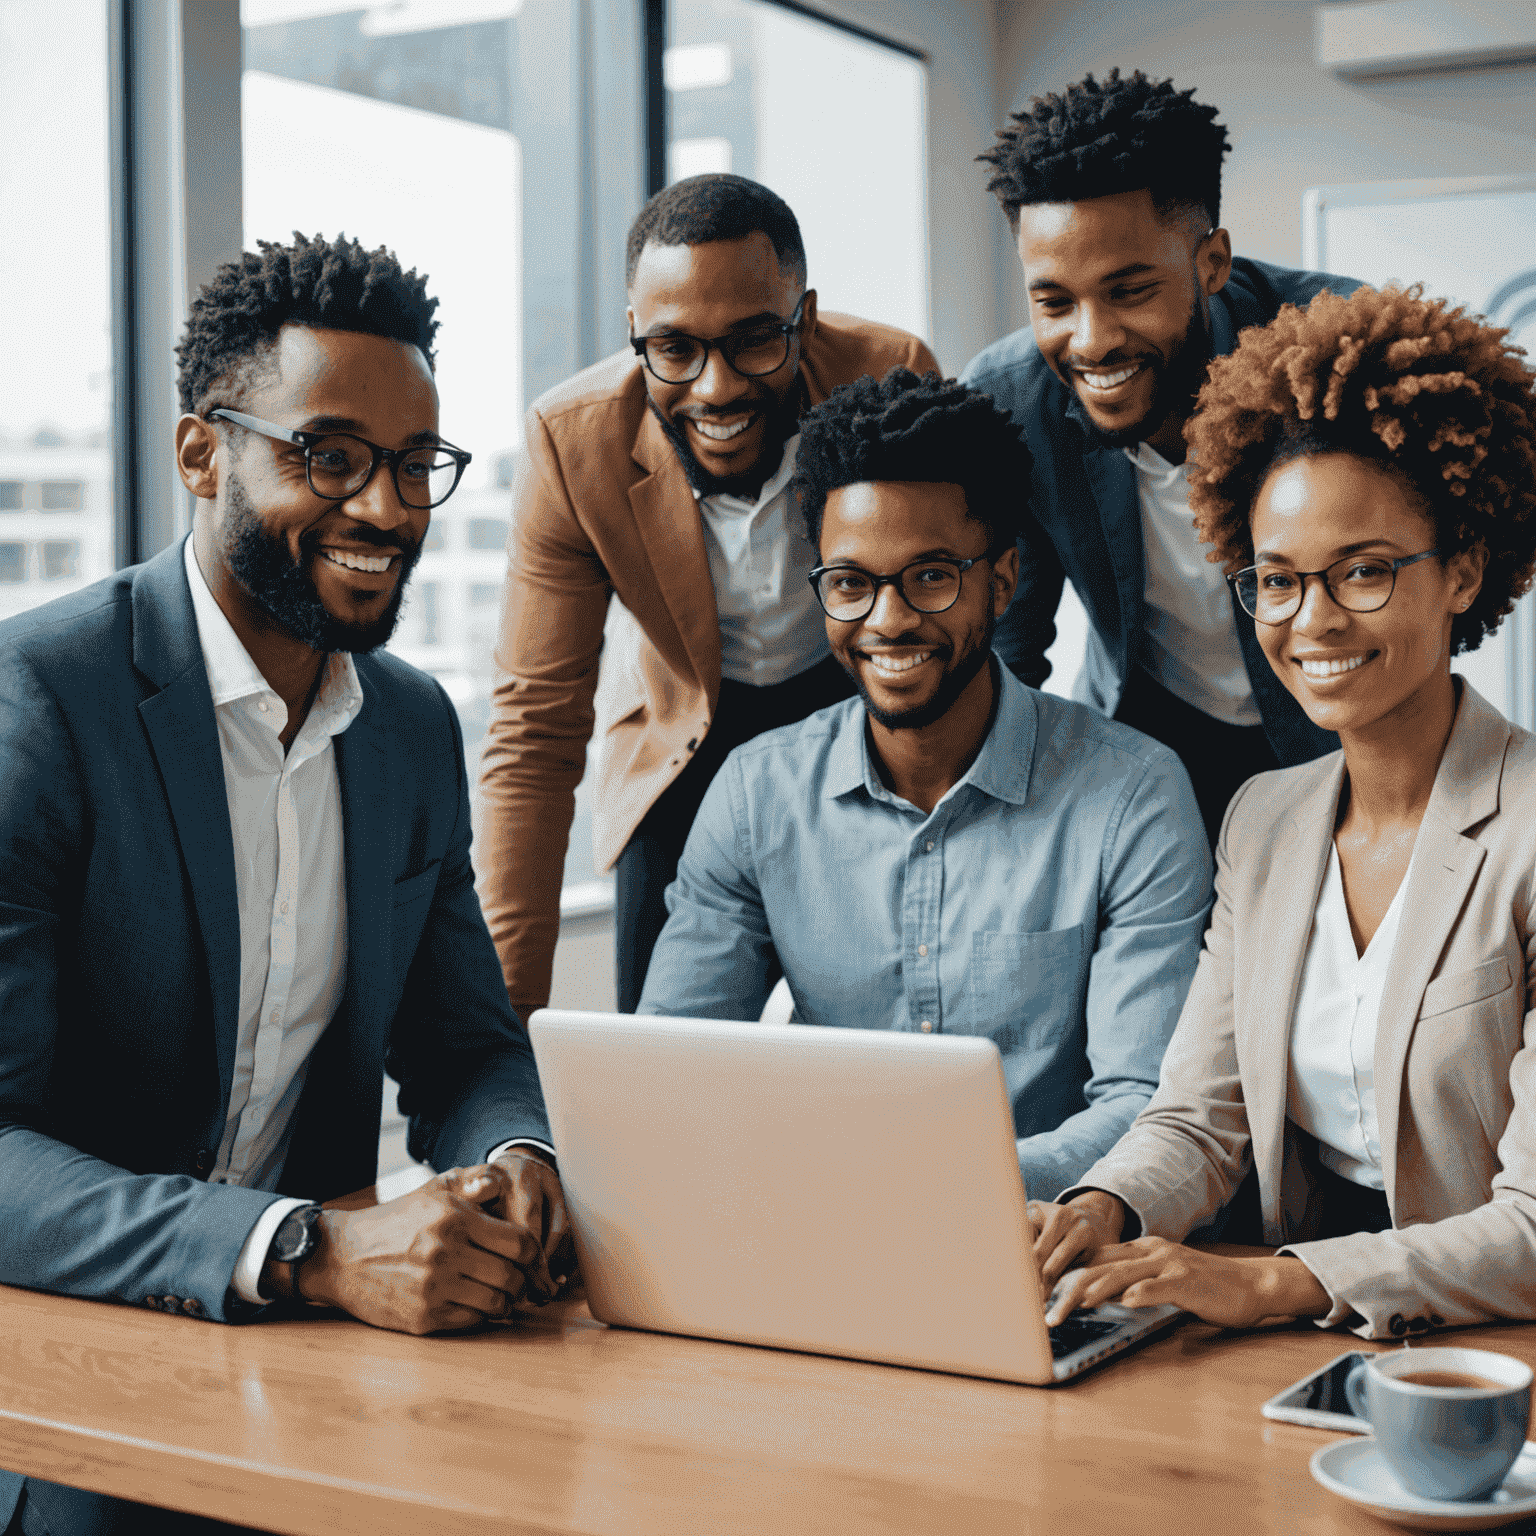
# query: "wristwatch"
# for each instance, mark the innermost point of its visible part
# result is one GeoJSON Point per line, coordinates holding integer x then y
{"type": "Point", "coordinates": [296, 1237]}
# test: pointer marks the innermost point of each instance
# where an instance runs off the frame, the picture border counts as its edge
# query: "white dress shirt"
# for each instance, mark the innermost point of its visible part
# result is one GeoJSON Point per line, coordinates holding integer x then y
{"type": "Point", "coordinates": [285, 819]}
{"type": "Point", "coordinates": [290, 885]}
{"type": "Point", "coordinates": [771, 626]}
{"type": "Point", "coordinates": [1189, 637]}
{"type": "Point", "coordinates": [1332, 1090]}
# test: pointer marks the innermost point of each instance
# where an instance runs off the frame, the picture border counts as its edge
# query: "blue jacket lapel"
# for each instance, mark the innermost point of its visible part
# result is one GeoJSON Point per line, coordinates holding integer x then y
{"type": "Point", "coordinates": [184, 737]}
{"type": "Point", "coordinates": [1113, 478]}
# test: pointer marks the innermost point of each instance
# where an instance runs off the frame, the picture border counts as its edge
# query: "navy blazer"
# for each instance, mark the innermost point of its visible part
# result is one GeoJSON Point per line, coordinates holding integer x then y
{"type": "Point", "coordinates": [1084, 519]}
{"type": "Point", "coordinates": [120, 955]}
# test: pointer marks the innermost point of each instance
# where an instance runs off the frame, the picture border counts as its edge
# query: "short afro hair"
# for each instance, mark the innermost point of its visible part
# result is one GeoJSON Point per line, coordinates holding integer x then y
{"type": "Point", "coordinates": [1100, 138]}
{"type": "Point", "coordinates": [701, 209]}
{"type": "Point", "coordinates": [928, 429]}
{"type": "Point", "coordinates": [327, 284]}
{"type": "Point", "coordinates": [1435, 396]}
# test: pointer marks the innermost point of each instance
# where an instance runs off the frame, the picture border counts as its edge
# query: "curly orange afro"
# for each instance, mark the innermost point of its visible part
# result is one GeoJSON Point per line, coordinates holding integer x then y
{"type": "Point", "coordinates": [1436, 396]}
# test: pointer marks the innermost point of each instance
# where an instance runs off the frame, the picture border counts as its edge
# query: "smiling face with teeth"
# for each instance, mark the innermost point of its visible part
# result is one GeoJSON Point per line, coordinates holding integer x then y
{"type": "Point", "coordinates": [733, 428]}
{"type": "Point", "coordinates": [290, 569]}
{"type": "Point", "coordinates": [1119, 298]}
{"type": "Point", "coordinates": [1360, 674]}
{"type": "Point", "coordinates": [919, 673]}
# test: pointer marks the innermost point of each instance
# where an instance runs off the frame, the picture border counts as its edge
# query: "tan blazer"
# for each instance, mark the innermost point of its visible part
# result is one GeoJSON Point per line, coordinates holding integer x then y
{"type": "Point", "coordinates": [1455, 1060]}
{"type": "Point", "coordinates": [601, 509]}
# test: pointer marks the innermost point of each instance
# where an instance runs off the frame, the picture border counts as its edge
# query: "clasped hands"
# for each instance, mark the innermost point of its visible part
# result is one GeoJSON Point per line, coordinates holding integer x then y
{"type": "Point", "coordinates": [462, 1249]}
{"type": "Point", "coordinates": [1078, 1245]}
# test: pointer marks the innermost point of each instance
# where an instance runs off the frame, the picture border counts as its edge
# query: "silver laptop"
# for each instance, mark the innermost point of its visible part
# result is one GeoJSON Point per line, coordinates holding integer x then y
{"type": "Point", "coordinates": [843, 1191]}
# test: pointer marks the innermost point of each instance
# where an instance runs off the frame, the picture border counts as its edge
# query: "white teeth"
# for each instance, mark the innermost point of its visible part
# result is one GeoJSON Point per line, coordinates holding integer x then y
{"type": "Point", "coordinates": [1331, 668]}
{"type": "Point", "coordinates": [719, 434]}
{"type": "Point", "coordinates": [893, 664]}
{"type": "Point", "coordinates": [345, 557]}
{"type": "Point", "coordinates": [1107, 380]}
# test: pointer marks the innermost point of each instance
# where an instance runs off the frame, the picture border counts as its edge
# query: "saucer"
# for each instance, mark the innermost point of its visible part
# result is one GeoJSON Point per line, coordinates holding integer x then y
{"type": "Point", "coordinates": [1357, 1471]}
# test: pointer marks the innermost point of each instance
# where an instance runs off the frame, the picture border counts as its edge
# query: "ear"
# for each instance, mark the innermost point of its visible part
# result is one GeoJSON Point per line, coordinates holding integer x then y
{"type": "Point", "coordinates": [197, 446]}
{"type": "Point", "coordinates": [629, 318]}
{"type": "Point", "coordinates": [1005, 577]}
{"type": "Point", "coordinates": [1213, 261]}
{"type": "Point", "coordinates": [1466, 576]}
{"type": "Point", "coordinates": [808, 317]}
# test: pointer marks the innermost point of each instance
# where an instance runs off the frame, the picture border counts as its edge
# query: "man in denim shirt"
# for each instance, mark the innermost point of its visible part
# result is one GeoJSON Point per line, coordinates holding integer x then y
{"type": "Point", "coordinates": [951, 851]}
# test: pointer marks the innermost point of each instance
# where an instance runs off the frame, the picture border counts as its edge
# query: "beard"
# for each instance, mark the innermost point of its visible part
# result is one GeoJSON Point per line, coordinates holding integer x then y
{"type": "Point", "coordinates": [284, 589]}
{"type": "Point", "coordinates": [1177, 383]}
{"type": "Point", "coordinates": [783, 420]}
{"type": "Point", "coordinates": [951, 685]}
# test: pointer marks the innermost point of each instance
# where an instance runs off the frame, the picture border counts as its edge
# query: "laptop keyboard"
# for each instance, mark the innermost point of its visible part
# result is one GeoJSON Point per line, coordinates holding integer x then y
{"type": "Point", "coordinates": [1077, 1329]}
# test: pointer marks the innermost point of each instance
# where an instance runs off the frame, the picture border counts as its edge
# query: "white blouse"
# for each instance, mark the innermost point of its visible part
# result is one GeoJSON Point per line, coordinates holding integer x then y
{"type": "Point", "coordinates": [1332, 1091]}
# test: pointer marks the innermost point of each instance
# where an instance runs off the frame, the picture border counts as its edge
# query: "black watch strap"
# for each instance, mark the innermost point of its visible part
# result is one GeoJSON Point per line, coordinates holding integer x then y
{"type": "Point", "coordinates": [296, 1236]}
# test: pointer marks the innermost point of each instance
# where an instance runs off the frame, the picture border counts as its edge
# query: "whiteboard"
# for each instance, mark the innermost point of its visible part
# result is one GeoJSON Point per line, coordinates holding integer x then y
{"type": "Point", "coordinates": [1470, 239]}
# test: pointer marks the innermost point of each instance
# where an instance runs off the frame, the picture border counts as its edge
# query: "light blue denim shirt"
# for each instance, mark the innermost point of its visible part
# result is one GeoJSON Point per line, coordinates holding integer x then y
{"type": "Point", "coordinates": [1053, 901]}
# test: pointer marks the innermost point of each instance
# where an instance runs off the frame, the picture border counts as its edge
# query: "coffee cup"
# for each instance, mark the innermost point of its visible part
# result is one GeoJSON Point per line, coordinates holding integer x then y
{"type": "Point", "coordinates": [1449, 1422]}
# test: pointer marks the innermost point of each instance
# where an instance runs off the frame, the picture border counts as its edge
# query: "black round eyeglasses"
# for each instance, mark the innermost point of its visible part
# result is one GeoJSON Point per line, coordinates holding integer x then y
{"type": "Point", "coordinates": [1361, 583]}
{"type": "Point", "coordinates": [339, 464]}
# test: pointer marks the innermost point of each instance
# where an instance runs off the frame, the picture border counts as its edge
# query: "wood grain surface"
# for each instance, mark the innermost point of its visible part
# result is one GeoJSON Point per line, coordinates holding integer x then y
{"type": "Point", "coordinates": [555, 1423]}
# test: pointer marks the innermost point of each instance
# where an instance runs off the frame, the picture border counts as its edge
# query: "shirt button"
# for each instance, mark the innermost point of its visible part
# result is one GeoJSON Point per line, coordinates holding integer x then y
{"type": "Point", "coordinates": [262, 706]}
{"type": "Point", "coordinates": [926, 1026]}
{"type": "Point", "coordinates": [922, 949]}
{"type": "Point", "coordinates": [272, 1018]}
{"type": "Point", "coordinates": [928, 847]}
{"type": "Point", "coordinates": [284, 906]}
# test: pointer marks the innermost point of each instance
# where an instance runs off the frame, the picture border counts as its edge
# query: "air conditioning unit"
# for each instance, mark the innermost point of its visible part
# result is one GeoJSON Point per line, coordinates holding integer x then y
{"type": "Point", "coordinates": [1399, 37]}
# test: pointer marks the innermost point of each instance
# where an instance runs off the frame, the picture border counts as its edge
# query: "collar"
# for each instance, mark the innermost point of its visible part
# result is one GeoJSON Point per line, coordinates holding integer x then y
{"type": "Point", "coordinates": [1151, 464]}
{"type": "Point", "coordinates": [233, 675]}
{"type": "Point", "coordinates": [770, 488]}
{"type": "Point", "coordinates": [1001, 769]}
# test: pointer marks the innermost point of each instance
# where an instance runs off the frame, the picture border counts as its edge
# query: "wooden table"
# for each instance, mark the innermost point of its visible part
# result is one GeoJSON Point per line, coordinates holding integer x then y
{"type": "Point", "coordinates": [558, 1424]}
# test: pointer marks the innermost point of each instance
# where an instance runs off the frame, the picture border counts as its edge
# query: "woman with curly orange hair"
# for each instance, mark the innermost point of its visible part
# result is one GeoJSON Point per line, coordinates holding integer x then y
{"type": "Point", "coordinates": [1357, 1032]}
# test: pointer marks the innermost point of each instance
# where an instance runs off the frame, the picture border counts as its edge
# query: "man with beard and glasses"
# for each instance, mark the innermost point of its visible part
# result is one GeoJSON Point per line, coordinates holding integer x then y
{"type": "Point", "coordinates": [950, 852]}
{"type": "Point", "coordinates": [660, 478]}
{"type": "Point", "coordinates": [235, 882]}
{"type": "Point", "coordinates": [1112, 190]}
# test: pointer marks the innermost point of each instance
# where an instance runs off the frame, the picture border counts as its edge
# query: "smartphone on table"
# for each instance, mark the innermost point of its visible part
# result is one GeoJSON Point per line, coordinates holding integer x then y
{"type": "Point", "coordinates": [1318, 1400]}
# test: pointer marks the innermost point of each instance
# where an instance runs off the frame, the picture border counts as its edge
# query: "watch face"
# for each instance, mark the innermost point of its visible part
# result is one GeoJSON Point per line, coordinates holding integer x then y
{"type": "Point", "coordinates": [295, 1236]}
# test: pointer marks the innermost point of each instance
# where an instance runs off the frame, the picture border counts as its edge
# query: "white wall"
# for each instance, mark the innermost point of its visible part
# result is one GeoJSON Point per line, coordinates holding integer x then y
{"type": "Point", "coordinates": [1293, 125]}
{"type": "Point", "coordinates": [965, 255]}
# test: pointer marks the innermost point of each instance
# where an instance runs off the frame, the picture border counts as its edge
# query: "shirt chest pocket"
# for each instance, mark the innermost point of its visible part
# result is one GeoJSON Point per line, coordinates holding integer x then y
{"type": "Point", "coordinates": [1026, 989]}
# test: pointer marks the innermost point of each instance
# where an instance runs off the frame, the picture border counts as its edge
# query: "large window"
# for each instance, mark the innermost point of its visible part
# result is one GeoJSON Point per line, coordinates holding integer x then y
{"type": "Point", "coordinates": [399, 126]}
{"type": "Point", "coordinates": [831, 121]}
{"type": "Point", "coordinates": [56, 526]}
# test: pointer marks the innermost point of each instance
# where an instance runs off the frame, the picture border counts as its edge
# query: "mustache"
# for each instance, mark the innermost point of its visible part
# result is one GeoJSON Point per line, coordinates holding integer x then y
{"type": "Point", "coordinates": [912, 641]}
{"type": "Point", "coordinates": [364, 533]}
{"type": "Point", "coordinates": [1107, 364]}
{"type": "Point", "coordinates": [751, 404]}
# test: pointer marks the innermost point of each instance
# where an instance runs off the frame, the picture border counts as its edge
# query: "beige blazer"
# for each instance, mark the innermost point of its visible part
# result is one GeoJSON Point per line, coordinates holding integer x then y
{"type": "Point", "coordinates": [1455, 1061]}
{"type": "Point", "coordinates": [601, 509]}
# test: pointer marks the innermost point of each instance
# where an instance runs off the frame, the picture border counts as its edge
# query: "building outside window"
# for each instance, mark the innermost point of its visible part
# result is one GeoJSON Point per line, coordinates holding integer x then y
{"type": "Point", "coordinates": [55, 394]}
{"type": "Point", "coordinates": [60, 559]}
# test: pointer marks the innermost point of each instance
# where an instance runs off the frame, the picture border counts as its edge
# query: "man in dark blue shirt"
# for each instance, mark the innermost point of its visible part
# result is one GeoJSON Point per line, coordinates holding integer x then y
{"type": "Point", "coordinates": [1113, 191]}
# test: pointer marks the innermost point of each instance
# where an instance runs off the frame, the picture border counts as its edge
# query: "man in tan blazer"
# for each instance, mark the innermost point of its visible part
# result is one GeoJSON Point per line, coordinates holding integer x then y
{"type": "Point", "coordinates": [660, 477]}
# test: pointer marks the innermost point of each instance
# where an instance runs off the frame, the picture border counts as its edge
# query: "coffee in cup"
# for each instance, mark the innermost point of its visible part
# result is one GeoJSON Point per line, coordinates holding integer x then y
{"type": "Point", "coordinates": [1449, 1422]}
{"type": "Point", "coordinates": [1460, 1381]}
